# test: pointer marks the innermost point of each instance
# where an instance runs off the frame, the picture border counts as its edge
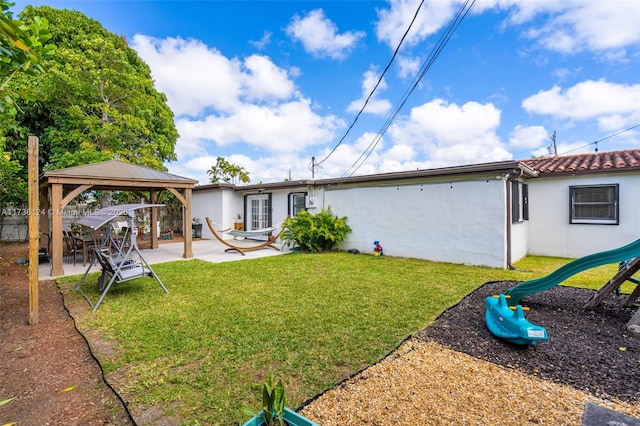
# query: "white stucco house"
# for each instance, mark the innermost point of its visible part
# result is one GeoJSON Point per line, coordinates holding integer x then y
{"type": "Point", "coordinates": [489, 214]}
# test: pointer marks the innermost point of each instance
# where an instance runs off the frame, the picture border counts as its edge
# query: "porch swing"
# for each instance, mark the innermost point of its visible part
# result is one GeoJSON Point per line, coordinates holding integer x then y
{"type": "Point", "coordinates": [119, 257]}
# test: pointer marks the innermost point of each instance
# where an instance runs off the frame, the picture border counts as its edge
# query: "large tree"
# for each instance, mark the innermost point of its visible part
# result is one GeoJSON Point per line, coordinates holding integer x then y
{"type": "Point", "coordinates": [98, 101]}
{"type": "Point", "coordinates": [22, 48]}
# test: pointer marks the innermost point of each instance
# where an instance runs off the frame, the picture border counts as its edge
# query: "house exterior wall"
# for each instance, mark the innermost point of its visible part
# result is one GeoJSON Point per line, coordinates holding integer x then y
{"type": "Point", "coordinates": [279, 202]}
{"type": "Point", "coordinates": [459, 221]}
{"type": "Point", "coordinates": [551, 234]}
{"type": "Point", "coordinates": [216, 204]}
{"type": "Point", "coordinates": [519, 240]}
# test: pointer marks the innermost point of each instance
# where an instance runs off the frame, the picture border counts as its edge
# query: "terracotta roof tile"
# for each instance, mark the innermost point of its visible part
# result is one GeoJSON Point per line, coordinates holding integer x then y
{"type": "Point", "coordinates": [584, 163]}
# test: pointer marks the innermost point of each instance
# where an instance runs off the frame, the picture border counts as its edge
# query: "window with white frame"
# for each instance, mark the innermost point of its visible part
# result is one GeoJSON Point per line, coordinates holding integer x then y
{"type": "Point", "coordinates": [296, 203]}
{"type": "Point", "coordinates": [596, 204]}
{"type": "Point", "coordinates": [519, 202]}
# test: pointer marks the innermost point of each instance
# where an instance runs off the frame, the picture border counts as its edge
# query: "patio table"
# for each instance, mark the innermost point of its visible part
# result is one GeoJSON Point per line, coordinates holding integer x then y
{"type": "Point", "coordinates": [86, 241]}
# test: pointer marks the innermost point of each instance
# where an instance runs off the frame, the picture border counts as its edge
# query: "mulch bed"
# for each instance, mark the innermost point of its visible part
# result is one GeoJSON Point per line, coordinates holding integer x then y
{"type": "Point", "coordinates": [590, 350]}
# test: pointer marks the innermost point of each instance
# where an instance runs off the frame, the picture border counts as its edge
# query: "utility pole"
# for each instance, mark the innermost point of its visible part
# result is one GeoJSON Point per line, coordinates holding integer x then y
{"type": "Point", "coordinates": [555, 148]}
{"type": "Point", "coordinates": [313, 167]}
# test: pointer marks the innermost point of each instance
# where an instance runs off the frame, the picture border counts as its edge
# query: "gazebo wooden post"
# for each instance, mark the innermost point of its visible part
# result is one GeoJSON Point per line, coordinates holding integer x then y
{"type": "Point", "coordinates": [56, 231]}
{"type": "Point", "coordinates": [186, 224]}
{"type": "Point", "coordinates": [44, 219]}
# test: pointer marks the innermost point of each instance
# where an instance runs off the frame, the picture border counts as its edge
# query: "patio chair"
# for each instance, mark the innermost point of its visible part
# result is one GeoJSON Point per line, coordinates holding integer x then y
{"type": "Point", "coordinates": [71, 247]}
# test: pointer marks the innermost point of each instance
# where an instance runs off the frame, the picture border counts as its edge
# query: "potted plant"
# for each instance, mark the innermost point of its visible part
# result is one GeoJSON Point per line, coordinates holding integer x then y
{"type": "Point", "coordinates": [238, 224]}
{"type": "Point", "coordinates": [274, 411]}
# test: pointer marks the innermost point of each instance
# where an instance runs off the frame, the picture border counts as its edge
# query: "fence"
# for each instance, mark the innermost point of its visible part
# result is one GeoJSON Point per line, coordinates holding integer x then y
{"type": "Point", "coordinates": [14, 221]}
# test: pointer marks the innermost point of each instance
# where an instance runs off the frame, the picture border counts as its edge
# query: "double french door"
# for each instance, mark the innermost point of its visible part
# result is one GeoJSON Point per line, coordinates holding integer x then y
{"type": "Point", "coordinates": [258, 212]}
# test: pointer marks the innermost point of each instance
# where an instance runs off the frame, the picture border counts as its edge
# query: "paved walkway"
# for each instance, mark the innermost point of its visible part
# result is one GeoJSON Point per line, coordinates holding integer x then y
{"type": "Point", "coordinates": [207, 250]}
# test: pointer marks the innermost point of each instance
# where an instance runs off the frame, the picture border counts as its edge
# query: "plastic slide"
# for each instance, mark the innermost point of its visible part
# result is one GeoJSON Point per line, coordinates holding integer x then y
{"type": "Point", "coordinates": [572, 268]}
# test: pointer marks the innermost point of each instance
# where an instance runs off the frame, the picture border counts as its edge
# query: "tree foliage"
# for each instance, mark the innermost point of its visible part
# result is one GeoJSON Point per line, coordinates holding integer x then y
{"type": "Point", "coordinates": [98, 101]}
{"type": "Point", "coordinates": [22, 49]}
{"type": "Point", "coordinates": [224, 171]}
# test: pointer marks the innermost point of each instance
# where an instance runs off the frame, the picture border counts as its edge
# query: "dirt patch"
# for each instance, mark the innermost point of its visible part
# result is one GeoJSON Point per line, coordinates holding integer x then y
{"type": "Point", "coordinates": [48, 367]}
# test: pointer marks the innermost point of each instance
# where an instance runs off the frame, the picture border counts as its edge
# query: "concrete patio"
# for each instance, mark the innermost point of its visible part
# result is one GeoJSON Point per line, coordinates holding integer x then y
{"type": "Point", "coordinates": [169, 251]}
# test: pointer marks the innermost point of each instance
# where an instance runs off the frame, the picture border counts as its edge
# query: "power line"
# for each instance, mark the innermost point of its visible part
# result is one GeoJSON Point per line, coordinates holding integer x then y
{"type": "Point", "coordinates": [600, 140]}
{"type": "Point", "coordinates": [444, 39]}
{"type": "Point", "coordinates": [395, 53]}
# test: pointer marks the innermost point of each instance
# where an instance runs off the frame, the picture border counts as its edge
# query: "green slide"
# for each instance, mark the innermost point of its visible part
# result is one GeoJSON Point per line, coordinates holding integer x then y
{"type": "Point", "coordinates": [566, 271]}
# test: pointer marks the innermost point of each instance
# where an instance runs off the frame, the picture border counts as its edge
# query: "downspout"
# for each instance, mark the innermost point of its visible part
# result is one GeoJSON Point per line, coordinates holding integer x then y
{"type": "Point", "coordinates": [508, 224]}
{"type": "Point", "coordinates": [510, 178]}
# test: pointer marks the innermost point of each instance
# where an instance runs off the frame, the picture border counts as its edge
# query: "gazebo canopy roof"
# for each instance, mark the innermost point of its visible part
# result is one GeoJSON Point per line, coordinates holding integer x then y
{"type": "Point", "coordinates": [117, 173]}
{"type": "Point", "coordinates": [96, 219]}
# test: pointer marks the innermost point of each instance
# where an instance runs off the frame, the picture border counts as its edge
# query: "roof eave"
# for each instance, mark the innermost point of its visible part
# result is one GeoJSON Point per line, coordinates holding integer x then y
{"type": "Point", "coordinates": [516, 168]}
{"type": "Point", "coordinates": [588, 172]}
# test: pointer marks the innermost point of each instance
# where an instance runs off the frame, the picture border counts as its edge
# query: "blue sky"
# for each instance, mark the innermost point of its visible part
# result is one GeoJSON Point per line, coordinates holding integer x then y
{"type": "Point", "coordinates": [271, 84]}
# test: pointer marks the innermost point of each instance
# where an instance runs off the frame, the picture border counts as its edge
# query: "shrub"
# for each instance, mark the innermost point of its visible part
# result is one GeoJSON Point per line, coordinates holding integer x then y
{"type": "Point", "coordinates": [315, 232]}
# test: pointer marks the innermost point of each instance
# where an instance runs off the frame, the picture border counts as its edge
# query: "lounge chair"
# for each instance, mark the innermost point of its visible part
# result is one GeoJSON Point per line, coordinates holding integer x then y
{"type": "Point", "coordinates": [268, 232]}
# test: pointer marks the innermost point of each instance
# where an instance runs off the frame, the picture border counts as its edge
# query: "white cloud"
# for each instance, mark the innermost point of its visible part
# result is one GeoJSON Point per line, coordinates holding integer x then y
{"type": "Point", "coordinates": [320, 37]}
{"type": "Point", "coordinates": [290, 126]}
{"type": "Point", "coordinates": [196, 78]}
{"type": "Point", "coordinates": [191, 74]}
{"type": "Point", "coordinates": [604, 27]}
{"type": "Point", "coordinates": [393, 22]}
{"type": "Point", "coordinates": [374, 106]}
{"type": "Point", "coordinates": [263, 42]}
{"type": "Point", "coordinates": [408, 67]}
{"type": "Point", "coordinates": [528, 136]}
{"type": "Point", "coordinates": [592, 25]}
{"type": "Point", "coordinates": [611, 104]}
{"type": "Point", "coordinates": [401, 152]}
{"type": "Point", "coordinates": [264, 81]}
{"type": "Point", "coordinates": [450, 134]}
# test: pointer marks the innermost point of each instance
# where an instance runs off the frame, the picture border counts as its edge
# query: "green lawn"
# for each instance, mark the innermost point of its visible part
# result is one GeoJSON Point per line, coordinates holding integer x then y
{"type": "Point", "coordinates": [202, 351]}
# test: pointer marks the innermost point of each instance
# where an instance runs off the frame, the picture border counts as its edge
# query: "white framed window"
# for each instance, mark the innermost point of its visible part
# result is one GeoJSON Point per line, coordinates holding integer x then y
{"type": "Point", "coordinates": [519, 202]}
{"type": "Point", "coordinates": [595, 204]}
{"type": "Point", "coordinates": [297, 202]}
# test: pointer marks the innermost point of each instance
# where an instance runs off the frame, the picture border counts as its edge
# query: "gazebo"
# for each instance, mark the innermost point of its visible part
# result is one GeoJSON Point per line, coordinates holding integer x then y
{"type": "Point", "coordinates": [64, 185]}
